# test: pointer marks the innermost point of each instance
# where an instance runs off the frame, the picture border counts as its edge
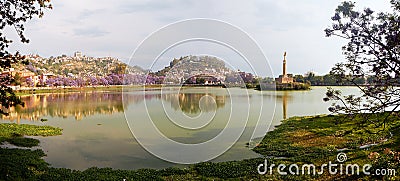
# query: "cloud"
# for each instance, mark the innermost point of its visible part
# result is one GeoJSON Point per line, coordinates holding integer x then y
{"type": "Point", "coordinates": [90, 13]}
{"type": "Point", "coordinates": [144, 6]}
{"type": "Point", "coordinates": [90, 31]}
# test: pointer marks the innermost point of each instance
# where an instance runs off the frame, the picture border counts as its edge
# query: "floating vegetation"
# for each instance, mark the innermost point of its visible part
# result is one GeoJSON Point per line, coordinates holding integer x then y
{"type": "Point", "coordinates": [43, 120]}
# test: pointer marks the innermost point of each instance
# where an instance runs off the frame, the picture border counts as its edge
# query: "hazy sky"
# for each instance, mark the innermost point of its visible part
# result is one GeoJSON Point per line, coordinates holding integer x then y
{"type": "Point", "coordinates": [115, 28]}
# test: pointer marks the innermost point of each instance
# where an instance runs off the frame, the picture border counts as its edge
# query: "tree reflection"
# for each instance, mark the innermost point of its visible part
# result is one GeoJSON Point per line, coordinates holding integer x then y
{"type": "Point", "coordinates": [78, 105]}
{"type": "Point", "coordinates": [194, 103]}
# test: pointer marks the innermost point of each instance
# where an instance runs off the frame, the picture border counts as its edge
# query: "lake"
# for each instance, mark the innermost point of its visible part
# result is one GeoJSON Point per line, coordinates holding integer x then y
{"type": "Point", "coordinates": [96, 125]}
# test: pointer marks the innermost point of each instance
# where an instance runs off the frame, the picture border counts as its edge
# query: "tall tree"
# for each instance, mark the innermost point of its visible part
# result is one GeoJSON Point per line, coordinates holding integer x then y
{"type": "Point", "coordinates": [372, 49]}
{"type": "Point", "coordinates": [14, 13]}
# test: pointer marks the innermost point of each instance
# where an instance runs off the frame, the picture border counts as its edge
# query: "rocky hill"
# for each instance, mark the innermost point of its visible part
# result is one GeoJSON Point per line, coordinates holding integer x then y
{"type": "Point", "coordinates": [196, 64]}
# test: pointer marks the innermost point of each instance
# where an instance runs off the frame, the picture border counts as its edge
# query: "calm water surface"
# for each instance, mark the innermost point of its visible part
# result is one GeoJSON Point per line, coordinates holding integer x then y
{"type": "Point", "coordinates": [96, 133]}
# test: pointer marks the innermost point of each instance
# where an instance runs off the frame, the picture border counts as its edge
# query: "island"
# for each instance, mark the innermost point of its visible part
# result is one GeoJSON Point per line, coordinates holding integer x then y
{"type": "Point", "coordinates": [285, 81]}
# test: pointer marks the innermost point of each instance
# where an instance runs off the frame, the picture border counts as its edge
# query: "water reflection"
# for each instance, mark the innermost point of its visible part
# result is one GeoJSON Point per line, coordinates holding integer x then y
{"type": "Point", "coordinates": [284, 104]}
{"type": "Point", "coordinates": [192, 102]}
{"type": "Point", "coordinates": [282, 98]}
{"type": "Point", "coordinates": [80, 105]}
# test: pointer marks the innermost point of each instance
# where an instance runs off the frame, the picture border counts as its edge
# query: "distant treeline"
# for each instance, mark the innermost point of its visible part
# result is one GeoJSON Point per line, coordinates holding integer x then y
{"type": "Point", "coordinates": [330, 80]}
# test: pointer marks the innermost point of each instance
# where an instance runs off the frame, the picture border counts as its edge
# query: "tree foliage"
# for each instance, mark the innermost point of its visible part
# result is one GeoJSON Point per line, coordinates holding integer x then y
{"type": "Point", "coordinates": [14, 13]}
{"type": "Point", "coordinates": [372, 49]}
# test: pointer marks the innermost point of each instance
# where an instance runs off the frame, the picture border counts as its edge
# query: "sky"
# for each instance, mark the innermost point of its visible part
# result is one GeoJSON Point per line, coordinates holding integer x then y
{"type": "Point", "coordinates": [116, 28]}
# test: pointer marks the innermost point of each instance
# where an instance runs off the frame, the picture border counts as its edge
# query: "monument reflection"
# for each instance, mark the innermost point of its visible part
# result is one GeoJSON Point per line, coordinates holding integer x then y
{"type": "Point", "coordinates": [284, 104]}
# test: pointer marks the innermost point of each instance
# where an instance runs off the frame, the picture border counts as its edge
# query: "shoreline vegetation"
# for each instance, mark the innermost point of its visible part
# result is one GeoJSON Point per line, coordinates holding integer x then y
{"type": "Point", "coordinates": [283, 86]}
{"type": "Point", "coordinates": [298, 140]}
{"type": "Point", "coordinates": [68, 89]}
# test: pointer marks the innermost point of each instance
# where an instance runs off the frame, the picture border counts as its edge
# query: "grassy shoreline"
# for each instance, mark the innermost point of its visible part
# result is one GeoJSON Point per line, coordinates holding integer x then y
{"type": "Point", "coordinates": [298, 140]}
{"type": "Point", "coordinates": [319, 139]}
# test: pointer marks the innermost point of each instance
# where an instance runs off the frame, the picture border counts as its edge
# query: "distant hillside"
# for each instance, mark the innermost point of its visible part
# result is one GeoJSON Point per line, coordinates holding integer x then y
{"type": "Point", "coordinates": [80, 70]}
{"type": "Point", "coordinates": [198, 70]}
{"type": "Point", "coordinates": [82, 66]}
{"type": "Point", "coordinates": [197, 64]}
{"type": "Point", "coordinates": [79, 66]}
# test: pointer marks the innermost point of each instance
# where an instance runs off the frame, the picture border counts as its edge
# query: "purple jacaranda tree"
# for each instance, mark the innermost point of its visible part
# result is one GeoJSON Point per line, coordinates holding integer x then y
{"type": "Point", "coordinates": [93, 81]}
{"type": "Point", "coordinates": [67, 81]}
{"type": "Point", "coordinates": [73, 83]}
{"type": "Point", "coordinates": [103, 81]}
{"type": "Point", "coordinates": [58, 81]}
{"type": "Point", "coordinates": [139, 79]}
{"type": "Point", "coordinates": [31, 68]}
{"type": "Point", "coordinates": [151, 79]}
{"type": "Point", "coordinates": [114, 79]}
{"type": "Point", "coordinates": [41, 82]}
{"type": "Point", "coordinates": [29, 82]}
{"type": "Point", "coordinates": [109, 80]}
{"type": "Point", "coordinates": [50, 82]}
{"type": "Point", "coordinates": [160, 79]}
{"type": "Point", "coordinates": [129, 79]}
{"type": "Point", "coordinates": [80, 82]}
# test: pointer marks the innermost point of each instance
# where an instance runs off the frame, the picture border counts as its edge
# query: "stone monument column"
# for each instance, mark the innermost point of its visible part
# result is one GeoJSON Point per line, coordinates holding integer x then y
{"type": "Point", "coordinates": [284, 65]}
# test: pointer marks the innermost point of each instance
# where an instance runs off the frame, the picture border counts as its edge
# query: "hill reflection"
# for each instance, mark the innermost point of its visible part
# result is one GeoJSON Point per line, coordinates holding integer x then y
{"type": "Point", "coordinates": [191, 102]}
{"type": "Point", "coordinates": [80, 105]}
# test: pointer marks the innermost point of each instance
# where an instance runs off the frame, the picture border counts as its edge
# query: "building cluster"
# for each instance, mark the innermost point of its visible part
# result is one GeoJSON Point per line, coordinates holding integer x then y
{"type": "Point", "coordinates": [42, 69]}
{"type": "Point", "coordinates": [77, 65]}
{"type": "Point", "coordinates": [246, 77]}
{"type": "Point", "coordinates": [78, 56]}
{"type": "Point", "coordinates": [28, 78]}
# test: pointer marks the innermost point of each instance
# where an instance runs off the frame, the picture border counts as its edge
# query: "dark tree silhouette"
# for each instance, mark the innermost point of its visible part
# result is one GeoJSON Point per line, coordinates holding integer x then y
{"type": "Point", "coordinates": [14, 13]}
{"type": "Point", "coordinates": [372, 50]}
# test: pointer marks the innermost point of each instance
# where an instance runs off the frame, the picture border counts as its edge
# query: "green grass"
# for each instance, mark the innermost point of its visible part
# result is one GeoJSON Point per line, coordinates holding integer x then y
{"type": "Point", "coordinates": [14, 133]}
{"type": "Point", "coordinates": [23, 142]}
{"type": "Point", "coordinates": [317, 140]}
{"type": "Point", "coordinates": [298, 140]}
{"type": "Point", "coordinates": [22, 164]}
